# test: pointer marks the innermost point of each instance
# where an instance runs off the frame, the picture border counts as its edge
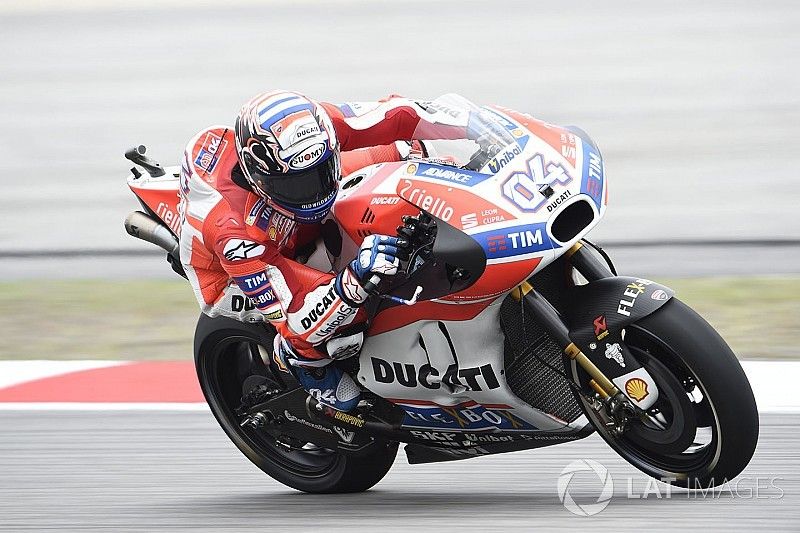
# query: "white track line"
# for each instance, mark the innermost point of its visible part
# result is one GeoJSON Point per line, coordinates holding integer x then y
{"type": "Point", "coordinates": [100, 406]}
{"type": "Point", "coordinates": [16, 372]}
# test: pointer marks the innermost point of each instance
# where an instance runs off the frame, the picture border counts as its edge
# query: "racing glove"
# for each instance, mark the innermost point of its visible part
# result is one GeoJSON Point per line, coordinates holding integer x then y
{"type": "Point", "coordinates": [378, 255]}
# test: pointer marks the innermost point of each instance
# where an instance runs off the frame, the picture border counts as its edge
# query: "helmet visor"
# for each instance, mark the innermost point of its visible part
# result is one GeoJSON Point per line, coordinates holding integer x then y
{"type": "Point", "coordinates": [303, 188]}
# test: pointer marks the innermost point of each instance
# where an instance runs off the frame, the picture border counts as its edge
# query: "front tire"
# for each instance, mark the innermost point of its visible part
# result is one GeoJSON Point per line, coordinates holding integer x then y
{"type": "Point", "coordinates": [226, 354]}
{"type": "Point", "coordinates": [682, 351]}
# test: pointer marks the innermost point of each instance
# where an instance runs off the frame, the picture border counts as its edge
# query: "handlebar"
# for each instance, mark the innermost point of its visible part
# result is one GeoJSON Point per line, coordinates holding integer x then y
{"type": "Point", "coordinates": [418, 232]}
{"type": "Point", "coordinates": [371, 284]}
{"type": "Point", "coordinates": [136, 155]}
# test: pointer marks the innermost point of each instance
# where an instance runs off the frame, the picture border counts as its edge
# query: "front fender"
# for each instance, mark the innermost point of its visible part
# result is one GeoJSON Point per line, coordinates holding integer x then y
{"type": "Point", "coordinates": [597, 313]}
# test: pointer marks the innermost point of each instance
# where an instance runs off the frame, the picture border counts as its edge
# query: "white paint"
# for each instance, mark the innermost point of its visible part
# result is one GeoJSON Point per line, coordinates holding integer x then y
{"type": "Point", "coordinates": [16, 372]}
{"type": "Point", "coordinates": [102, 406]}
{"type": "Point", "coordinates": [774, 384]}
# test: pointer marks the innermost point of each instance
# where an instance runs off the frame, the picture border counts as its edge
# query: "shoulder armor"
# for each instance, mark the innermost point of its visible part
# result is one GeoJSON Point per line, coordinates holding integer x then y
{"type": "Point", "coordinates": [211, 151]}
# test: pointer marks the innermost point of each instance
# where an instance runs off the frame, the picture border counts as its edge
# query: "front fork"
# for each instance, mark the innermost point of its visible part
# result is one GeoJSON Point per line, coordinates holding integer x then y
{"type": "Point", "coordinates": [592, 269]}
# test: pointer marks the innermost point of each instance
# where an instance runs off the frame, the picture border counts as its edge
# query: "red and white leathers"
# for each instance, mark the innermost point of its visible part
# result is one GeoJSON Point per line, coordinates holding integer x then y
{"type": "Point", "coordinates": [238, 251]}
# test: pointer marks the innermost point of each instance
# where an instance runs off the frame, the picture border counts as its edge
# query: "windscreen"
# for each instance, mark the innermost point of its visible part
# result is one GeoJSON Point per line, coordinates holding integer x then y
{"type": "Point", "coordinates": [456, 131]}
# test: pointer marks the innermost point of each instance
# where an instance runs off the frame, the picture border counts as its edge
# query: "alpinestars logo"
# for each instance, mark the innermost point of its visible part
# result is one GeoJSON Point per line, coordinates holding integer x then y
{"type": "Point", "coordinates": [238, 249]}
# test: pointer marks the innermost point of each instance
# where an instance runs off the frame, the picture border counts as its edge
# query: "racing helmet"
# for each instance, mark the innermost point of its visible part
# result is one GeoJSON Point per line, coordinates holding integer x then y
{"type": "Point", "coordinates": [289, 154]}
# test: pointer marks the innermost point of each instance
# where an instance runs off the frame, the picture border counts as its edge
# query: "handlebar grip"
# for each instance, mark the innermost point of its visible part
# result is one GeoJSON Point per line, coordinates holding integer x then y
{"type": "Point", "coordinates": [135, 153]}
{"type": "Point", "coordinates": [371, 284]}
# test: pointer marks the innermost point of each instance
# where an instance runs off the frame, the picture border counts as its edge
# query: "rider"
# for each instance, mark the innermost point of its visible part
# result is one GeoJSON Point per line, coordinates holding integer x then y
{"type": "Point", "coordinates": [255, 195]}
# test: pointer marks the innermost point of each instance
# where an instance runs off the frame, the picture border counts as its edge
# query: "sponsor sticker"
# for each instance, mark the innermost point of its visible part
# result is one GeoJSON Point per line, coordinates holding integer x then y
{"type": "Point", "coordinates": [212, 148]}
{"type": "Point", "coordinates": [239, 249]}
{"type": "Point", "coordinates": [450, 175]}
{"type": "Point", "coordinates": [659, 295]}
{"type": "Point", "coordinates": [385, 200]}
{"type": "Point", "coordinates": [427, 376]}
{"type": "Point", "coordinates": [522, 187]}
{"type": "Point", "coordinates": [253, 282]}
{"type": "Point", "coordinates": [629, 296]}
{"type": "Point", "coordinates": [614, 352]}
{"type": "Point", "coordinates": [465, 417]}
{"type": "Point", "coordinates": [593, 177]}
{"type": "Point", "coordinates": [274, 315]}
{"type": "Point", "coordinates": [636, 389]}
{"type": "Point", "coordinates": [307, 157]}
{"type": "Point", "coordinates": [502, 159]}
{"type": "Point", "coordinates": [296, 419]}
{"type": "Point", "coordinates": [452, 204]}
{"type": "Point", "coordinates": [416, 193]}
{"type": "Point", "coordinates": [170, 217]}
{"type": "Point", "coordinates": [600, 329]}
{"type": "Point", "coordinates": [241, 303]}
{"type": "Point", "coordinates": [252, 215]}
{"type": "Point", "coordinates": [295, 127]}
{"type": "Point", "coordinates": [469, 220]}
{"type": "Point", "coordinates": [515, 240]}
{"type": "Point", "coordinates": [344, 417]}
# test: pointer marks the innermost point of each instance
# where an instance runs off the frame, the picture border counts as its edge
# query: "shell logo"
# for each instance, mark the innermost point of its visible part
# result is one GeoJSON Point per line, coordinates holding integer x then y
{"type": "Point", "coordinates": [636, 389]}
{"type": "Point", "coordinates": [411, 169]}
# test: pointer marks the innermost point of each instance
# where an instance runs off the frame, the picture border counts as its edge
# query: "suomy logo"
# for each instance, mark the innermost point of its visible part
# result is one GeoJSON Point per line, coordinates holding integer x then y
{"type": "Point", "coordinates": [307, 157]}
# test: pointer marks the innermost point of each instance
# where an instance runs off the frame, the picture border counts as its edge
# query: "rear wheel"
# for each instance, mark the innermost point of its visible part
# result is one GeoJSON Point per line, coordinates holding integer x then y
{"type": "Point", "coordinates": [227, 356]}
{"type": "Point", "coordinates": [703, 429]}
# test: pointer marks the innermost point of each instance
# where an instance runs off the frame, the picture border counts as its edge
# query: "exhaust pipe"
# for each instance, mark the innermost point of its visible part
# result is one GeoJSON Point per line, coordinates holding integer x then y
{"type": "Point", "coordinates": [143, 226]}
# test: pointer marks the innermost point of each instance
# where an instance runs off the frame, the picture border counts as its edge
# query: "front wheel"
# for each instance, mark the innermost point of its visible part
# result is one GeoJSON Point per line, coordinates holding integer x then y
{"type": "Point", "coordinates": [227, 354]}
{"type": "Point", "coordinates": [707, 426]}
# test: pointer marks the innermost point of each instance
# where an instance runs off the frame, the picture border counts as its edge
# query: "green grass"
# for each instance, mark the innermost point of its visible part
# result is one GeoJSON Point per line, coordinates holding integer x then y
{"type": "Point", "coordinates": [758, 316]}
{"type": "Point", "coordinates": [97, 320]}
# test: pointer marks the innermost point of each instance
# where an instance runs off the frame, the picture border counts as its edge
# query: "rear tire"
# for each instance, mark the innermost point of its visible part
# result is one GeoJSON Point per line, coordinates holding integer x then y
{"type": "Point", "coordinates": [691, 350]}
{"type": "Point", "coordinates": [226, 353]}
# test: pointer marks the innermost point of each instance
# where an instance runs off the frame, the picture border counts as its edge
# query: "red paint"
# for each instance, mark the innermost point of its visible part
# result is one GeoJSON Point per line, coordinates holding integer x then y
{"type": "Point", "coordinates": [599, 325]}
{"type": "Point", "coordinates": [142, 382]}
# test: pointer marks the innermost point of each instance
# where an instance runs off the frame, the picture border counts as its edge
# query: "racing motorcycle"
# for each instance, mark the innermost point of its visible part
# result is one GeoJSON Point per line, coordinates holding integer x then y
{"type": "Point", "coordinates": [505, 329]}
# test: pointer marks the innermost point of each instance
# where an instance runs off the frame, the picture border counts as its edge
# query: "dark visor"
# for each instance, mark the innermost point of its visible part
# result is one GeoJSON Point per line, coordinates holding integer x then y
{"type": "Point", "coordinates": [304, 187]}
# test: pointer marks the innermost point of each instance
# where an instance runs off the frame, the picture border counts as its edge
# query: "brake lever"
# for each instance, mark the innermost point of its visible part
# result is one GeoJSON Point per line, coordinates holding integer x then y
{"type": "Point", "coordinates": [403, 301]}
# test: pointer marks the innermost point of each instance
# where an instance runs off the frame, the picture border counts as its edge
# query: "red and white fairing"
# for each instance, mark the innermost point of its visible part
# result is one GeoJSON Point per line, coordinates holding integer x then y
{"type": "Point", "coordinates": [520, 229]}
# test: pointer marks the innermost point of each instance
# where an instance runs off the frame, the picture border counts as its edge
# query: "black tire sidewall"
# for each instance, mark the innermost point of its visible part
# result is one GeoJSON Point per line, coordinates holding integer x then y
{"type": "Point", "coordinates": [349, 473]}
{"type": "Point", "coordinates": [700, 348]}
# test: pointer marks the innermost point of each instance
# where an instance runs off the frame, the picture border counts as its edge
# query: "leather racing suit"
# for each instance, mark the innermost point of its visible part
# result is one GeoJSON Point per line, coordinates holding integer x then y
{"type": "Point", "coordinates": [239, 253]}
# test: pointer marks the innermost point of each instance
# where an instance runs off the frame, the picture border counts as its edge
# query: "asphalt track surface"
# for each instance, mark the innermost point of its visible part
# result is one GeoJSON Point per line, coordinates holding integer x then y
{"type": "Point", "coordinates": [695, 104]}
{"type": "Point", "coordinates": [157, 471]}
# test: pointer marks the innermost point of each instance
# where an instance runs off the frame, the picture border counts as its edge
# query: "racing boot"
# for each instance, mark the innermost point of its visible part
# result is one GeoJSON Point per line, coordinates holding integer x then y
{"type": "Point", "coordinates": [327, 383]}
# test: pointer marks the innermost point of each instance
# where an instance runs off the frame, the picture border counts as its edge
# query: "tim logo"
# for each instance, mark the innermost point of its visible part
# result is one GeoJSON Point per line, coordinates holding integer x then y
{"type": "Point", "coordinates": [496, 243]}
{"type": "Point", "coordinates": [210, 152]}
{"type": "Point", "coordinates": [516, 240]}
